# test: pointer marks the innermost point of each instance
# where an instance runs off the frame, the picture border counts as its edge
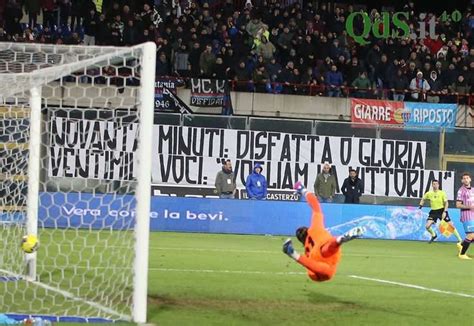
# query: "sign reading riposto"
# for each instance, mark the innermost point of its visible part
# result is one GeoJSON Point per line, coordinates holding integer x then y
{"type": "Point", "coordinates": [431, 115]}
{"type": "Point", "coordinates": [404, 114]}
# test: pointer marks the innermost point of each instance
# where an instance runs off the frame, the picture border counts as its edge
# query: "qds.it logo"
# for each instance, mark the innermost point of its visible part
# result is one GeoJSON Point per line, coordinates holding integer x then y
{"type": "Point", "coordinates": [395, 25]}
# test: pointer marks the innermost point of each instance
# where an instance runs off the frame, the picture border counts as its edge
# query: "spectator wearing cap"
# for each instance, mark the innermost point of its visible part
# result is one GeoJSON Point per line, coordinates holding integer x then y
{"type": "Point", "coordinates": [418, 87]}
{"type": "Point", "coordinates": [256, 184]}
{"type": "Point", "coordinates": [436, 88]}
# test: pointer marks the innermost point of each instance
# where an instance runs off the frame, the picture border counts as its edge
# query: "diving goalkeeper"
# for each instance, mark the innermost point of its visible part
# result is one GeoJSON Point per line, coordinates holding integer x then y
{"type": "Point", "coordinates": [322, 250]}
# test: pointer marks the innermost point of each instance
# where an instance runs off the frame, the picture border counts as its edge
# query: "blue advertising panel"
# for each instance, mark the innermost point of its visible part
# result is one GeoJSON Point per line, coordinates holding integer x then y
{"type": "Point", "coordinates": [431, 115]}
{"type": "Point", "coordinates": [74, 210]}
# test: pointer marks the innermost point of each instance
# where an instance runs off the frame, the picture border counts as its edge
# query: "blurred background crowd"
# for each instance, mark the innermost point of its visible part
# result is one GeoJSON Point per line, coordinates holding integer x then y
{"type": "Point", "coordinates": [291, 47]}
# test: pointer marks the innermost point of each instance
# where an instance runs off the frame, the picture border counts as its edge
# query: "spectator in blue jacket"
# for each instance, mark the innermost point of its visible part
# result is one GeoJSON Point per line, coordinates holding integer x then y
{"type": "Point", "coordinates": [256, 184]}
{"type": "Point", "coordinates": [334, 82]}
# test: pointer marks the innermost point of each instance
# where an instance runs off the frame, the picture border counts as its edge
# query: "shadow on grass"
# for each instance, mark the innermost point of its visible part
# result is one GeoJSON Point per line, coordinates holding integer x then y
{"type": "Point", "coordinates": [339, 304]}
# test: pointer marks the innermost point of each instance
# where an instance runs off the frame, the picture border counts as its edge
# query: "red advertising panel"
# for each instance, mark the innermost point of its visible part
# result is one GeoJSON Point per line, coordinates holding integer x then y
{"type": "Point", "coordinates": [378, 112]}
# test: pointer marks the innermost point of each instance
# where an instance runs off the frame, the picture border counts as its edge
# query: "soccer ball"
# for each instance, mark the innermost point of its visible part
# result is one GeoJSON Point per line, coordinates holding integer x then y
{"type": "Point", "coordinates": [29, 243]}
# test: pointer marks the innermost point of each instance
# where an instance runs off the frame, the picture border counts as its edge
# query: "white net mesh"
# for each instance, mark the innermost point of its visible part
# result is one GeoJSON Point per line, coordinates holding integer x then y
{"type": "Point", "coordinates": [86, 200]}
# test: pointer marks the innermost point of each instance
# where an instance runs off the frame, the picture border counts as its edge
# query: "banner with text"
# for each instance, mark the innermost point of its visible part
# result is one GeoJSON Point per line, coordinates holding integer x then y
{"type": "Point", "coordinates": [99, 211]}
{"type": "Point", "coordinates": [404, 114]}
{"type": "Point", "coordinates": [207, 92]}
{"type": "Point", "coordinates": [431, 115]}
{"type": "Point", "coordinates": [163, 88]}
{"type": "Point", "coordinates": [191, 156]}
{"type": "Point", "coordinates": [377, 112]}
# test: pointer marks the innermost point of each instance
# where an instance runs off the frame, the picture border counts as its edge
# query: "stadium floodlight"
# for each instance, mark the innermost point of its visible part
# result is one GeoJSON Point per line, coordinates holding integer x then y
{"type": "Point", "coordinates": [95, 266]}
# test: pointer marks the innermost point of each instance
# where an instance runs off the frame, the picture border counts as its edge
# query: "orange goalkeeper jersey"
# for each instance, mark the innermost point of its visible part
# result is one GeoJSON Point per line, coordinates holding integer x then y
{"type": "Point", "coordinates": [318, 236]}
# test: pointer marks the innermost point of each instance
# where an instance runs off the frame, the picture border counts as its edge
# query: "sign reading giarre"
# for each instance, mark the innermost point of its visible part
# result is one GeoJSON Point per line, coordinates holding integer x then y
{"type": "Point", "coordinates": [404, 114]}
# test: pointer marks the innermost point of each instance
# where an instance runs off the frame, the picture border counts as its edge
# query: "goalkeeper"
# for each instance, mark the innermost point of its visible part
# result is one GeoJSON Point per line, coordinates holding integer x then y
{"type": "Point", "coordinates": [322, 250]}
{"type": "Point", "coordinates": [439, 211]}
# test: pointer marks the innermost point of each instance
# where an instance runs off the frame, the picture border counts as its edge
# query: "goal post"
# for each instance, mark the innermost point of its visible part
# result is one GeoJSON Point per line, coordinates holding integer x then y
{"type": "Point", "coordinates": [142, 228]}
{"type": "Point", "coordinates": [75, 170]}
{"type": "Point", "coordinates": [34, 159]}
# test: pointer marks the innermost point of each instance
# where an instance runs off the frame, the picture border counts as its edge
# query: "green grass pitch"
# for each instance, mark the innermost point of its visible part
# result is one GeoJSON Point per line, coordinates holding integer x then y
{"type": "Point", "coordinates": [210, 279]}
{"type": "Point", "coordinates": [206, 279]}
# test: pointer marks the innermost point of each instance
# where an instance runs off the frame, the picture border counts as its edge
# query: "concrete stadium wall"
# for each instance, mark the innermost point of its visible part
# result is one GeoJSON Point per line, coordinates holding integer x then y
{"type": "Point", "coordinates": [259, 104]}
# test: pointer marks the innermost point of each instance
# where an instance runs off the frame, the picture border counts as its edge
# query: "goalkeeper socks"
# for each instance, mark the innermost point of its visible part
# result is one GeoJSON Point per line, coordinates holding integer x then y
{"type": "Point", "coordinates": [456, 234]}
{"type": "Point", "coordinates": [430, 230]}
{"type": "Point", "coordinates": [465, 246]}
{"type": "Point", "coordinates": [295, 255]}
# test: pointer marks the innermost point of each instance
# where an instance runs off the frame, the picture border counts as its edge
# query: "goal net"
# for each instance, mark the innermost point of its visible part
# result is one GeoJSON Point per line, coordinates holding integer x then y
{"type": "Point", "coordinates": [75, 144]}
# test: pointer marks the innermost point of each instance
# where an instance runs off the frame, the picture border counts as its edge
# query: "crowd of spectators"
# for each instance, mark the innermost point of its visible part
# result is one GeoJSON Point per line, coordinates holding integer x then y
{"type": "Point", "coordinates": [293, 48]}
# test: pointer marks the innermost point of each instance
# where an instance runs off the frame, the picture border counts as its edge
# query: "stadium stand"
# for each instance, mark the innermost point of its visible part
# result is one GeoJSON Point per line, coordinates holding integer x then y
{"type": "Point", "coordinates": [289, 47]}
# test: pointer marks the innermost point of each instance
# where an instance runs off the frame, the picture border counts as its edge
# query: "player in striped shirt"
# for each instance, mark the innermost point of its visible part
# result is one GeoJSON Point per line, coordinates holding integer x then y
{"type": "Point", "coordinates": [465, 201]}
